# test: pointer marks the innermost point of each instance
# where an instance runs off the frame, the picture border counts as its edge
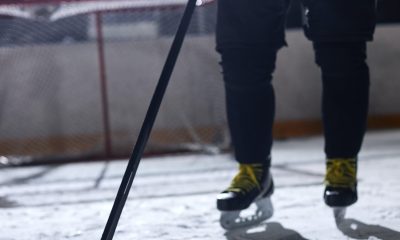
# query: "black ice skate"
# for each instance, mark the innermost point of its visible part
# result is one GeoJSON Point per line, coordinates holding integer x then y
{"type": "Point", "coordinates": [340, 185]}
{"type": "Point", "coordinates": [253, 184]}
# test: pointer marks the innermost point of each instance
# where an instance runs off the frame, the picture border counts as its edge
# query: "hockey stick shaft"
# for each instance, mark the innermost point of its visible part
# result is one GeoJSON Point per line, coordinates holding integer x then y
{"type": "Point", "coordinates": [148, 123]}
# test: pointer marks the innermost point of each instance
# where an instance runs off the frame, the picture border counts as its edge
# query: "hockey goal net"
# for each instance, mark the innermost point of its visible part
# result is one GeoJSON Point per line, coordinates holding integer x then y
{"type": "Point", "coordinates": [76, 78]}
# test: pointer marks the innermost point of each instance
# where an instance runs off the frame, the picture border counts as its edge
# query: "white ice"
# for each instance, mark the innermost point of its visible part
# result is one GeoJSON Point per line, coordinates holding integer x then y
{"type": "Point", "coordinates": [174, 197]}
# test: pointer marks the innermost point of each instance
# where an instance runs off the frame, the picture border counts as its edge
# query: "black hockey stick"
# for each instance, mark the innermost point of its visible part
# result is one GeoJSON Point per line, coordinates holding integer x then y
{"type": "Point", "coordinates": [148, 123]}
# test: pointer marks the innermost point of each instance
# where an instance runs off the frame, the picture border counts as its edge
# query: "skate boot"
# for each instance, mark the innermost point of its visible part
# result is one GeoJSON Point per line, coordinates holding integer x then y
{"type": "Point", "coordinates": [253, 184]}
{"type": "Point", "coordinates": [340, 185]}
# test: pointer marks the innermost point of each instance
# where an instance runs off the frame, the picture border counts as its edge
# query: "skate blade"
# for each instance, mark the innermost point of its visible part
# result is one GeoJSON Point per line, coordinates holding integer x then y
{"type": "Point", "coordinates": [339, 213]}
{"type": "Point", "coordinates": [231, 219]}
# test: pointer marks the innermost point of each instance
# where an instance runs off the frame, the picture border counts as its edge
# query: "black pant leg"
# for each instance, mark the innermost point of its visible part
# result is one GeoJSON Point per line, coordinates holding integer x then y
{"type": "Point", "coordinates": [249, 34]}
{"type": "Point", "coordinates": [250, 102]}
{"type": "Point", "coordinates": [339, 30]}
{"type": "Point", "coordinates": [345, 77]}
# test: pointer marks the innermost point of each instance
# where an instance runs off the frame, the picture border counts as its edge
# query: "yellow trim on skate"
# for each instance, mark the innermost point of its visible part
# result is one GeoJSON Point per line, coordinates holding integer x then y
{"type": "Point", "coordinates": [341, 172]}
{"type": "Point", "coordinates": [247, 178]}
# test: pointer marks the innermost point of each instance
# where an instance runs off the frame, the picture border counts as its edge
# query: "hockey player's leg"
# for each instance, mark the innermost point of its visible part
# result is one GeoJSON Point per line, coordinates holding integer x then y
{"type": "Point", "coordinates": [345, 94]}
{"type": "Point", "coordinates": [250, 112]}
{"type": "Point", "coordinates": [249, 34]}
{"type": "Point", "coordinates": [340, 30]}
{"type": "Point", "coordinates": [345, 77]}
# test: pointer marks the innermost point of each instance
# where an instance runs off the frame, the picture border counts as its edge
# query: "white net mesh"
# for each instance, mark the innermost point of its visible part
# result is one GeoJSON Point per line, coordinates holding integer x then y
{"type": "Point", "coordinates": [76, 78]}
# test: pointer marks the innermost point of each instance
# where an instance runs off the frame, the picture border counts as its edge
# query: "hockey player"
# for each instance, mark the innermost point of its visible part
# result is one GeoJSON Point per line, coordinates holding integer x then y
{"type": "Point", "coordinates": [249, 35]}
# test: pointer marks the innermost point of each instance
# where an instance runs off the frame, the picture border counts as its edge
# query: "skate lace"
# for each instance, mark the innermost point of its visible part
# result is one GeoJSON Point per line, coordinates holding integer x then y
{"type": "Point", "coordinates": [247, 178]}
{"type": "Point", "coordinates": [341, 173]}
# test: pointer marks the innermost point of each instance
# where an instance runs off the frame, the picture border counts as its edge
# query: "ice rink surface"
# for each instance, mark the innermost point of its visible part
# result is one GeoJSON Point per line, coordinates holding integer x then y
{"type": "Point", "coordinates": [174, 197]}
